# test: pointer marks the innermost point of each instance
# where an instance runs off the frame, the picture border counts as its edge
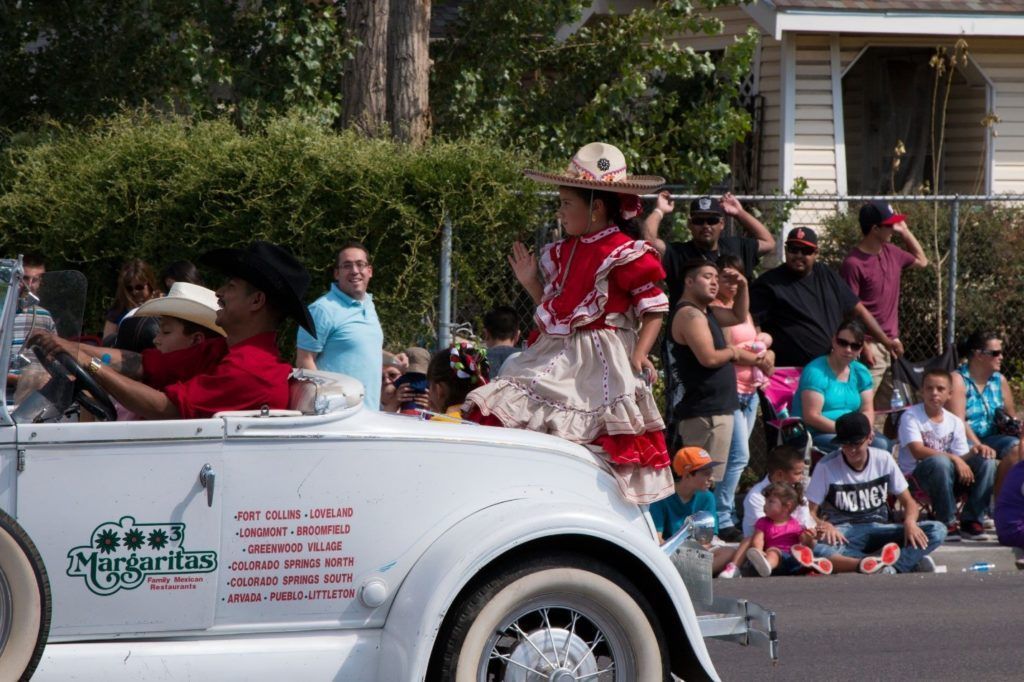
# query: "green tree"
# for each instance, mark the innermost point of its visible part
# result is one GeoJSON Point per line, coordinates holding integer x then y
{"type": "Point", "coordinates": [505, 74]}
{"type": "Point", "coordinates": [71, 60]}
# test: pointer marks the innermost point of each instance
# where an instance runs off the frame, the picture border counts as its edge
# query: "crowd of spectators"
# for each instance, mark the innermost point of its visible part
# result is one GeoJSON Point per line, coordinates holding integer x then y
{"type": "Point", "coordinates": [833, 337]}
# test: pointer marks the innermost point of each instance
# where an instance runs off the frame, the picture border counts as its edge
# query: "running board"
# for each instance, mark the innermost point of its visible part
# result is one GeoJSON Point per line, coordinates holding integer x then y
{"type": "Point", "coordinates": [741, 621]}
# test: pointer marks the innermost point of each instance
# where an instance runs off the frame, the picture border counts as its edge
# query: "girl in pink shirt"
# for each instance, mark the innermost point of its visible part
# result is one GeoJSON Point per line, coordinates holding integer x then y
{"type": "Point", "coordinates": [779, 543]}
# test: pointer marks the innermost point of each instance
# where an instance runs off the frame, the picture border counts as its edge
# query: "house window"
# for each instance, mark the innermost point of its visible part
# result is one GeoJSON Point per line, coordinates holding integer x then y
{"type": "Point", "coordinates": [889, 97]}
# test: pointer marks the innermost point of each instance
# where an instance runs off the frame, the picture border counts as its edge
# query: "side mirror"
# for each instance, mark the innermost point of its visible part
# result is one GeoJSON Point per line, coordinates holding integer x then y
{"type": "Point", "coordinates": [700, 527]}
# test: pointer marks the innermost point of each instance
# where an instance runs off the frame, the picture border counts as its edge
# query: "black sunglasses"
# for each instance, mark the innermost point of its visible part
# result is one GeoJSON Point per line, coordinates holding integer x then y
{"type": "Point", "coordinates": [136, 287]}
{"type": "Point", "coordinates": [992, 353]}
{"type": "Point", "coordinates": [700, 222]}
{"type": "Point", "coordinates": [852, 345]}
{"type": "Point", "coordinates": [803, 250]}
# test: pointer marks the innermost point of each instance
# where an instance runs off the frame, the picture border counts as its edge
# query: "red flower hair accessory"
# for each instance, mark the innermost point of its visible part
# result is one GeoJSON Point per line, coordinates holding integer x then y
{"type": "Point", "coordinates": [469, 362]}
{"type": "Point", "coordinates": [630, 206]}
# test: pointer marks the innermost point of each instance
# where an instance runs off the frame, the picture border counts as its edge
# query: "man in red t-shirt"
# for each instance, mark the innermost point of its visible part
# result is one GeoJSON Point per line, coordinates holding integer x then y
{"type": "Point", "coordinates": [265, 285]}
{"type": "Point", "coordinates": [873, 269]}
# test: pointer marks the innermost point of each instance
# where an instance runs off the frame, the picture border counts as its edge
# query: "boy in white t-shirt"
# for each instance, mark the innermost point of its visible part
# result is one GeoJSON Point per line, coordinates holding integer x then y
{"type": "Point", "coordinates": [848, 495]}
{"type": "Point", "coordinates": [934, 448]}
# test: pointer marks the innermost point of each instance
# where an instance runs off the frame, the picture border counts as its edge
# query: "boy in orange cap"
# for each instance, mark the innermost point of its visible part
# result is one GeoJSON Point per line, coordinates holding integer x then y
{"type": "Point", "coordinates": [692, 467]}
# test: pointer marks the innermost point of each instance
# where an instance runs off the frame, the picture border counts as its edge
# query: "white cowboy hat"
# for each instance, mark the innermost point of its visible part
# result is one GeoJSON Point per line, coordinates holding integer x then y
{"type": "Point", "coordinates": [599, 166]}
{"type": "Point", "coordinates": [186, 301]}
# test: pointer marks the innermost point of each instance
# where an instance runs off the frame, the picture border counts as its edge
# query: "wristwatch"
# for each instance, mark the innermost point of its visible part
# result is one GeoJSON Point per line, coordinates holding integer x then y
{"type": "Point", "coordinates": [94, 366]}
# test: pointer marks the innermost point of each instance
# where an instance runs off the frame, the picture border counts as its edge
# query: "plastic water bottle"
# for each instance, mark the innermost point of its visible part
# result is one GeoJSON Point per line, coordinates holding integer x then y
{"type": "Point", "coordinates": [979, 567]}
{"type": "Point", "coordinates": [897, 403]}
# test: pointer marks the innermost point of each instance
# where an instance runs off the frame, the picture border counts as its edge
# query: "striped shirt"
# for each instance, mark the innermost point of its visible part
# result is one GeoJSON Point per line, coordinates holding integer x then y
{"type": "Point", "coordinates": [25, 323]}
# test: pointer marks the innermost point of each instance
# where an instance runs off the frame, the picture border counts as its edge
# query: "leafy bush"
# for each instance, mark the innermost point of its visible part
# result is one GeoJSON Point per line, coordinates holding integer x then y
{"type": "Point", "coordinates": [166, 189]}
{"type": "Point", "coordinates": [991, 258]}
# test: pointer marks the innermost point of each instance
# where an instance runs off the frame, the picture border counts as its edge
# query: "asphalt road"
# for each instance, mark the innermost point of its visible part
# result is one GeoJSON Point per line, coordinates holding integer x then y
{"type": "Point", "coordinates": [952, 626]}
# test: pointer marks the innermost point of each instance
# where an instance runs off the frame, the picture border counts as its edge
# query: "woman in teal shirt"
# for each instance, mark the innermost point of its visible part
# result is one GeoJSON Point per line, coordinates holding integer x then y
{"type": "Point", "coordinates": [834, 385]}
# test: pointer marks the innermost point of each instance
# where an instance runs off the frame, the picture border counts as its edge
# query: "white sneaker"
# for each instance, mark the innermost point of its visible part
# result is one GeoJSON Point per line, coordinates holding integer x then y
{"type": "Point", "coordinates": [925, 565]}
{"type": "Point", "coordinates": [759, 561]}
{"type": "Point", "coordinates": [730, 571]}
{"type": "Point", "coordinates": [988, 524]}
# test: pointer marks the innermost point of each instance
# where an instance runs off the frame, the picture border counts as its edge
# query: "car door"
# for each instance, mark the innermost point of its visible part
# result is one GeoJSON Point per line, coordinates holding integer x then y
{"type": "Point", "coordinates": [129, 534]}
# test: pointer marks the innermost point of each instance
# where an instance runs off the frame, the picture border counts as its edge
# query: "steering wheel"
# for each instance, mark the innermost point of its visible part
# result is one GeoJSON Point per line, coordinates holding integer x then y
{"type": "Point", "coordinates": [97, 400]}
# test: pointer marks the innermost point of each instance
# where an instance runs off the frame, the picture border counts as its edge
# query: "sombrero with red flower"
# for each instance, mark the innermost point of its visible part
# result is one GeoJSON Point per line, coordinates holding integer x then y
{"type": "Point", "coordinates": [602, 167]}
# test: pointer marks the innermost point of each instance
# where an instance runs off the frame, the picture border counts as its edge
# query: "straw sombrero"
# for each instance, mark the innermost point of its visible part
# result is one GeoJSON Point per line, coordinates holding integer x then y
{"type": "Point", "coordinates": [599, 166]}
{"type": "Point", "coordinates": [188, 302]}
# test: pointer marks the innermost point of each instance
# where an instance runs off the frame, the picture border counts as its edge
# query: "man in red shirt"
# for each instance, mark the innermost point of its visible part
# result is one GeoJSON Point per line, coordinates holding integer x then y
{"type": "Point", "coordinates": [265, 285]}
{"type": "Point", "coordinates": [873, 270]}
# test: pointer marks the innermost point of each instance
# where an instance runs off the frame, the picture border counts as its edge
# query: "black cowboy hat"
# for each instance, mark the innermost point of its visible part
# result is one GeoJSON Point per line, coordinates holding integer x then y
{"type": "Point", "coordinates": [273, 270]}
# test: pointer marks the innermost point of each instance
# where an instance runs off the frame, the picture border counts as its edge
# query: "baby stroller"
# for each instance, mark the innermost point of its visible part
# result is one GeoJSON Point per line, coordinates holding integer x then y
{"type": "Point", "coordinates": [779, 427]}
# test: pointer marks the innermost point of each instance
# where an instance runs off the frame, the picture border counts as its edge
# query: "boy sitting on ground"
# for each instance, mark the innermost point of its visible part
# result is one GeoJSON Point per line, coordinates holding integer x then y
{"type": "Point", "coordinates": [848, 494]}
{"type": "Point", "coordinates": [692, 467]}
{"type": "Point", "coordinates": [934, 448]}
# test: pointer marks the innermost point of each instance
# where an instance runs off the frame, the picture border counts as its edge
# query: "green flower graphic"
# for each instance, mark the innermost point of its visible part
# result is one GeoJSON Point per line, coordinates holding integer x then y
{"type": "Point", "coordinates": [134, 539]}
{"type": "Point", "coordinates": [107, 541]}
{"type": "Point", "coordinates": [157, 539]}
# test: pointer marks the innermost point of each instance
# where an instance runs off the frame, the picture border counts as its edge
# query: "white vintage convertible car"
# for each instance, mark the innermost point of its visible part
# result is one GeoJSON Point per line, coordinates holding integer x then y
{"type": "Point", "coordinates": [323, 543]}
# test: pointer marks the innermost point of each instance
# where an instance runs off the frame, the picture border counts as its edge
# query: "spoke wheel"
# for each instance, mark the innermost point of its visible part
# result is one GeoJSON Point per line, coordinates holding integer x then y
{"type": "Point", "coordinates": [562, 643]}
{"type": "Point", "coordinates": [24, 602]}
{"type": "Point", "coordinates": [552, 619]}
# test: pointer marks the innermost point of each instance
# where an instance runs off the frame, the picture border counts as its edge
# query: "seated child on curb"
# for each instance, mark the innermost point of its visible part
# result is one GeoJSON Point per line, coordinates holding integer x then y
{"type": "Point", "coordinates": [780, 543]}
{"type": "Point", "coordinates": [785, 465]}
{"type": "Point", "coordinates": [692, 466]}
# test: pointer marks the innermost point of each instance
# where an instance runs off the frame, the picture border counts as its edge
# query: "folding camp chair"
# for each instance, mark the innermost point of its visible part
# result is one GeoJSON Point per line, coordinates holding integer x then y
{"type": "Point", "coordinates": [907, 377]}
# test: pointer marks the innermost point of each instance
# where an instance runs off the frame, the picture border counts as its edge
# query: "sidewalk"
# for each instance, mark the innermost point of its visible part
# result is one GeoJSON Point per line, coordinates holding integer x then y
{"type": "Point", "coordinates": [956, 556]}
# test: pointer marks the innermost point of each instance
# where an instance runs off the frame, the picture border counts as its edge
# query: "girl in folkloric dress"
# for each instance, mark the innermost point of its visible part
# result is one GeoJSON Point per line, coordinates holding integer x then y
{"type": "Point", "coordinates": [585, 377]}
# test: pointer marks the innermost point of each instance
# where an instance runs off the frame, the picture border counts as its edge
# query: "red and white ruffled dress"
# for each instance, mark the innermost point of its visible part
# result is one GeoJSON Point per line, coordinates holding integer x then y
{"type": "Point", "coordinates": [575, 380]}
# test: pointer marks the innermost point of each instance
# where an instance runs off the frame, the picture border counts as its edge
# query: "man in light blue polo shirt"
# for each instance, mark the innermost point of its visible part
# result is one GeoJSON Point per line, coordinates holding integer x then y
{"type": "Point", "coordinates": [349, 339]}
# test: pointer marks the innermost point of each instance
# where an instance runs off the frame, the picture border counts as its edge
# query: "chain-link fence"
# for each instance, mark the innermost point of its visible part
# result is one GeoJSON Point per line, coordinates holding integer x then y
{"type": "Point", "coordinates": [974, 244]}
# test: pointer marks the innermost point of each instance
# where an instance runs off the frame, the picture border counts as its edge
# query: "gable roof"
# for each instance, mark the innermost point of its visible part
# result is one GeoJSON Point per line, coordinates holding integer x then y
{"type": "Point", "coordinates": [928, 6]}
{"type": "Point", "coordinates": [890, 17]}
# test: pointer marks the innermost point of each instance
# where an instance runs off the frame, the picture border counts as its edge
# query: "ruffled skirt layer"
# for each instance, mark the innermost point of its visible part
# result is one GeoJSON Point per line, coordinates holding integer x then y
{"type": "Point", "coordinates": [581, 387]}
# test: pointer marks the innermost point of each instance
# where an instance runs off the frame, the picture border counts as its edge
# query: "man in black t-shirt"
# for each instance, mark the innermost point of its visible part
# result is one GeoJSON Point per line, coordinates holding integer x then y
{"type": "Point", "coordinates": [801, 303]}
{"type": "Point", "coordinates": [707, 220]}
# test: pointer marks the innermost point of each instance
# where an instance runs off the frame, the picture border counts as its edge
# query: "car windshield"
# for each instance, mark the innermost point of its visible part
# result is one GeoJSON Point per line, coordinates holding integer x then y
{"type": "Point", "coordinates": [54, 303]}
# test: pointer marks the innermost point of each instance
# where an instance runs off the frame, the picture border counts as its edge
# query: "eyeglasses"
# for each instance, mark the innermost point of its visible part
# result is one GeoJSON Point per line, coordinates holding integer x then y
{"type": "Point", "coordinates": [136, 287]}
{"type": "Point", "coordinates": [852, 345]}
{"type": "Point", "coordinates": [353, 266]}
{"type": "Point", "coordinates": [802, 250]}
{"type": "Point", "coordinates": [992, 353]}
{"type": "Point", "coordinates": [701, 222]}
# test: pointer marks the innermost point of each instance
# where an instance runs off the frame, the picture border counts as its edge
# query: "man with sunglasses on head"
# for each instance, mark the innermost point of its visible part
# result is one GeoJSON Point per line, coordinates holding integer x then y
{"type": "Point", "coordinates": [349, 339]}
{"type": "Point", "coordinates": [801, 303]}
{"type": "Point", "coordinates": [873, 269]}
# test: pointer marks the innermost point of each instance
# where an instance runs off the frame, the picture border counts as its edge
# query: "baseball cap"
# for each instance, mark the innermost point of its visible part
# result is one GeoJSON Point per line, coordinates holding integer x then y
{"type": "Point", "coordinates": [803, 235]}
{"type": "Point", "coordinates": [690, 459]}
{"type": "Point", "coordinates": [709, 205]}
{"type": "Point", "coordinates": [878, 212]}
{"type": "Point", "coordinates": [852, 428]}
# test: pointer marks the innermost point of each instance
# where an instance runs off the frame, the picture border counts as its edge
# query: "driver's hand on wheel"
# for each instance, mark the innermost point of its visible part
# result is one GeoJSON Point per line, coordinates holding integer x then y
{"type": "Point", "coordinates": [50, 344]}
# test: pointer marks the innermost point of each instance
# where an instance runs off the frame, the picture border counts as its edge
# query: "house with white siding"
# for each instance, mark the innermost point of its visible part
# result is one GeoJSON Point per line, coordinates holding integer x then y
{"type": "Point", "coordinates": [839, 83]}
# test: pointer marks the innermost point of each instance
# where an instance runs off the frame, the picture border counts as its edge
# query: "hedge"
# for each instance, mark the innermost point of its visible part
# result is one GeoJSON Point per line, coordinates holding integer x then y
{"type": "Point", "coordinates": [989, 269]}
{"type": "Point", "coordinates": [164, 189]}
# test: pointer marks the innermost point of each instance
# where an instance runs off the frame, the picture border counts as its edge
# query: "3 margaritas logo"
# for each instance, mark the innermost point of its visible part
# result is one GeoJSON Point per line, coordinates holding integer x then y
{"type": "Point", "coordinates": [120, 555]}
